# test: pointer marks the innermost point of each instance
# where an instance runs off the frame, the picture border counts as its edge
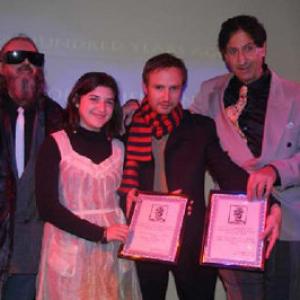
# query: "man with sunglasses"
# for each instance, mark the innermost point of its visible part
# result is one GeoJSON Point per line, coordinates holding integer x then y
{"type": "Point", "coordinates": [257, 119]}
{"type": "Point", "coordinates": [27, 114]}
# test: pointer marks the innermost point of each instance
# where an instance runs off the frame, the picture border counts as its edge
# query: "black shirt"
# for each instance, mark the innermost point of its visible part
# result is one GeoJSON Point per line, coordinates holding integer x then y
{"type": "Point", "coordinates": [252, 118]}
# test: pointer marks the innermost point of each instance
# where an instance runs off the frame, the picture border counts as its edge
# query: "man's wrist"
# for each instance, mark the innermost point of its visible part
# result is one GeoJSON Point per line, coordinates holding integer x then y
{"type": "Point", "coordinates": [277, 180]}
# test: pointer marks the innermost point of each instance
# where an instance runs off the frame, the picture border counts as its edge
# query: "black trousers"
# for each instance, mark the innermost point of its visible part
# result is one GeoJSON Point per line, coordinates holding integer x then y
{"type": "Point", "coordinates": [282, 274]}
{"type": "Point", "coordinates": [192, 280]}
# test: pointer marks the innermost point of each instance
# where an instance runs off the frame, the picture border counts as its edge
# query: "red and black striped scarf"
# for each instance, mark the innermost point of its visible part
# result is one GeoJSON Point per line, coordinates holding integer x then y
{"type": "Point", "coordinates": [145, 124]}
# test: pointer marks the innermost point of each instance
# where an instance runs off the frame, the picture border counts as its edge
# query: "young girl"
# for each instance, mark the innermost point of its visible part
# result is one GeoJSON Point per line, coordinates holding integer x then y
{"type": "Point", "coordinates": [77, 175]}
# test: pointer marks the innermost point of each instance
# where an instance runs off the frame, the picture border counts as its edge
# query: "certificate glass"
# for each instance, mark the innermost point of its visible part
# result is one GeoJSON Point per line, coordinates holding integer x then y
{"type": "Point", "coordinates": [155, 228]}
{"type": "Point", "coordinates": [232, 232]}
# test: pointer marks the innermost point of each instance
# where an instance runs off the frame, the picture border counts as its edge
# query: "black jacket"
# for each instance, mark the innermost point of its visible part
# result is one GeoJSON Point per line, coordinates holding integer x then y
{"type": "Point", "coordinates": [49, 119]}
{"type": "Point", "coordinates": [192, 148]}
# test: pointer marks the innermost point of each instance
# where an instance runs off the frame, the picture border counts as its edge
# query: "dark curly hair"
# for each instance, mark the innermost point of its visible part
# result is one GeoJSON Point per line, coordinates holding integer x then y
{"type": "Point", "coordinates": [246, 23]}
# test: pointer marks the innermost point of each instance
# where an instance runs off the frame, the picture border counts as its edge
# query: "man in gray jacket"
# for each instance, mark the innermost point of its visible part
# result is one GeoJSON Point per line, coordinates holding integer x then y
{"type": "Point", "coordinates": [257, 119]}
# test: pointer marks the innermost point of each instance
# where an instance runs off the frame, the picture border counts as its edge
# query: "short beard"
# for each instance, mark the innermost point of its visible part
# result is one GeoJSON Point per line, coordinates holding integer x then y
{"type": "Point", "coordinates": [24, 88]}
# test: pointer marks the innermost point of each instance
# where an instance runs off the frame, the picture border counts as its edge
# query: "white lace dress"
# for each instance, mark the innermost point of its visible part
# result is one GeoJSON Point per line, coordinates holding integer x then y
{"type": "Point", "coordinates": [73, 268]}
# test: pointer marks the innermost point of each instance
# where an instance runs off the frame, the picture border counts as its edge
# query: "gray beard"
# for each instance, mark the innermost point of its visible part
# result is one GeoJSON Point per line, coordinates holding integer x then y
{"type": "Point", "coordinates": [24, 88]}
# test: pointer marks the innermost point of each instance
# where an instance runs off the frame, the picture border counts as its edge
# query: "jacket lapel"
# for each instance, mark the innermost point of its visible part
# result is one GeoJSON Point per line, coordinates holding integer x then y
{"type": "Point", "coordinates": [230, 139]}
{"type": "Point", "coordinates": [277, 115]}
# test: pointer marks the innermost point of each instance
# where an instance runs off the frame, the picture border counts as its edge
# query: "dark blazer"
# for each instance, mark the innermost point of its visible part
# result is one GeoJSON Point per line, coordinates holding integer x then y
{"type": "Point", "coordinates": [192, 148]}
{"type": "Point", "coordinates": [24, 229]}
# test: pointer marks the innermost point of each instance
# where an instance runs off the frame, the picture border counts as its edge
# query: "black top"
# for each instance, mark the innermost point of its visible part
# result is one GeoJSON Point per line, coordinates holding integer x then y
{"type": "Point", "coordinates": [95, 146]}
{"type": "Point", "coordinates": [252, 118]}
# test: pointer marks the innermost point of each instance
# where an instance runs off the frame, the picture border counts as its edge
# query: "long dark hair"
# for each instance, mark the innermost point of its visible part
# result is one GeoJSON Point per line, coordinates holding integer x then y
{"type": "Point", "coordinates": [85, 84]}
{"type": "Point", "coordinates": [41, 87]}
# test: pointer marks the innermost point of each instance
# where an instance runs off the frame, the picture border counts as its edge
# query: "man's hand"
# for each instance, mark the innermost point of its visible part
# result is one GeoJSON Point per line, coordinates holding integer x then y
{"type": "Point", "coordinates": [131, 198]}
{"type": "Point", "coordinates": [272, 229]}
{"type": "Point", "coordinates": [260, 183]}
{"type": "Point", "coordinates": [190, 203]}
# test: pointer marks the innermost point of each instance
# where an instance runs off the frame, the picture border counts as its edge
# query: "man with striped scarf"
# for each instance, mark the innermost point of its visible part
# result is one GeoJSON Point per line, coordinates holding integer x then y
{"type": "Point", "coordinates": [169, 149]}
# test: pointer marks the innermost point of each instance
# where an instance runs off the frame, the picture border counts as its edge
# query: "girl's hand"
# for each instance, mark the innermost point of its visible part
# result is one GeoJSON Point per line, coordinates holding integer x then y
{"type": "Point", "coordinates": [117, 232]}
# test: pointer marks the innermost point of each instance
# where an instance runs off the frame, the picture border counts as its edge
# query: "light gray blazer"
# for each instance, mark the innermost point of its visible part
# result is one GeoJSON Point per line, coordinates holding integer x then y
{"type": "Point", "coordinates": [281, 140]}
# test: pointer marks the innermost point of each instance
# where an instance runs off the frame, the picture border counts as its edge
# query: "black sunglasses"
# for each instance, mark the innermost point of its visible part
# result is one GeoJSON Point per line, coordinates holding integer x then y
{"type": "Point", "coordinates": [18, 56]}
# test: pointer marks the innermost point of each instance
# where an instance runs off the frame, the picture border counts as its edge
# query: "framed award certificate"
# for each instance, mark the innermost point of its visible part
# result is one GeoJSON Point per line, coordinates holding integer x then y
{"type": "Point", "coordinates": [155, 228]}
{"type": "Point", "coordinates": [232, 234]}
